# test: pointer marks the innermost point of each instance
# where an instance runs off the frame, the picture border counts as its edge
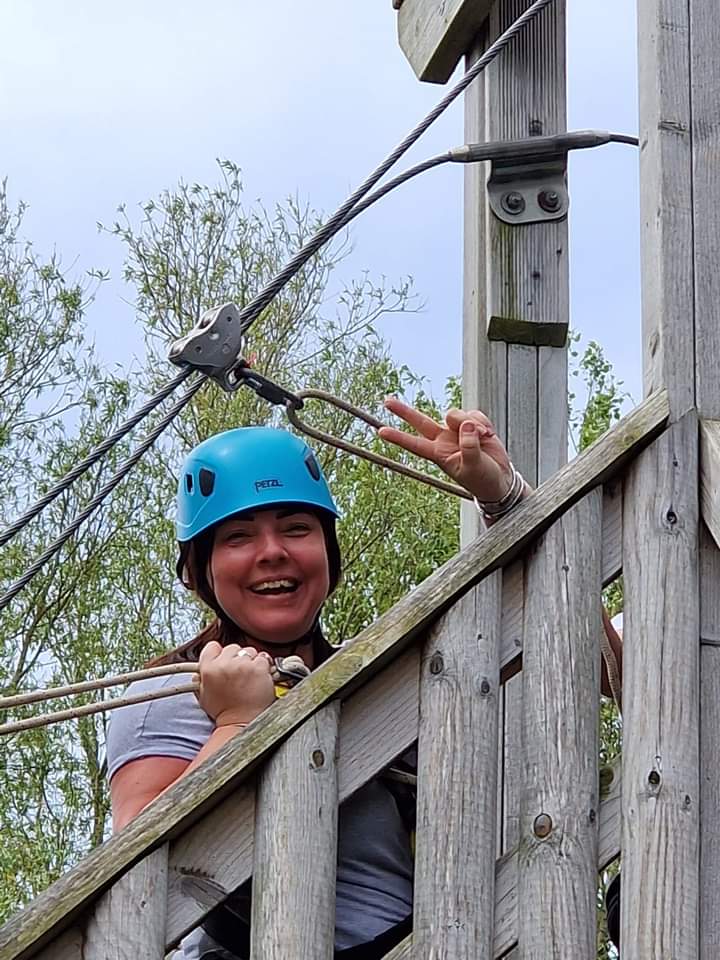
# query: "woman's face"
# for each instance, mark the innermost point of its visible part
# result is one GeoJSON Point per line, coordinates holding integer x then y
{"type": "Point", "coordinates": [269, 572]}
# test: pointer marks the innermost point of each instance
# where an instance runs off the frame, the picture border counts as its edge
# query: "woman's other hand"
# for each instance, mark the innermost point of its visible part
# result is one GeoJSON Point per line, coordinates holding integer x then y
{"type": "Point", "coordinates": [466, 447]}
{"type": "Point", "coordinates": [235, 683]}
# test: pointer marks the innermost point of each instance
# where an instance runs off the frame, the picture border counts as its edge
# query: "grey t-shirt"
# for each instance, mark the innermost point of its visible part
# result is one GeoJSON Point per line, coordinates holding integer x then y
{"type": "Point", "coordinates": [374, 870]}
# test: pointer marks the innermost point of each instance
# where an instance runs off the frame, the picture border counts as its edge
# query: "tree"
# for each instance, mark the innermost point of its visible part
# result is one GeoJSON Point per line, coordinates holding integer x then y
{"type": "Point", "coordinates": [110, 601]}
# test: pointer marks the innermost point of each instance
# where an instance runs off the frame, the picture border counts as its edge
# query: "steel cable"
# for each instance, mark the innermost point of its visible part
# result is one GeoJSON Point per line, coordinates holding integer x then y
{"type": "Point", "coordinates": [97, 500]}
{"type": "Point", "coordinates": [253, 309]}
{"type": "Point", "coordinates": [77, 471]}
{"type": "Point", "coordinates": [336, 223]}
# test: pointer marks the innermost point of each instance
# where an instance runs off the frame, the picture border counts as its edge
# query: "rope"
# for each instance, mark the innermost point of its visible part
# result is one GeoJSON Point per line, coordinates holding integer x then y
{"type": "Point", "coordinates": [285, 672]}
{"type": "Point", "coordinates": [97, 500]}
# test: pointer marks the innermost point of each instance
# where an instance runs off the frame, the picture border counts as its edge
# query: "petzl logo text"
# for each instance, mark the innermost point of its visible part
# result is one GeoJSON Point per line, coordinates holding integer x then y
{"type": "Point", "coordinates": [264, 484]}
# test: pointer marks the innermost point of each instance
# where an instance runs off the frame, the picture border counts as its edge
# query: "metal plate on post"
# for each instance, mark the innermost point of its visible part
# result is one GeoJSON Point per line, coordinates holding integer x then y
{"type": "Point", "coordinates": [533, 193]}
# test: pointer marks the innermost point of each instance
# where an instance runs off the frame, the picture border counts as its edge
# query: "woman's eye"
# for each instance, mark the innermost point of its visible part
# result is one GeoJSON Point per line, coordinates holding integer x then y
{"type": "Point", "coordinates": [298, 528]}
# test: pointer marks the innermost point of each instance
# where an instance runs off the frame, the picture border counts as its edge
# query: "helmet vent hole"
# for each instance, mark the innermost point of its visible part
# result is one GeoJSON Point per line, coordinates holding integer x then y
{"type": "Point", "coordinates": [312, 465]}
{"type": "Point", "coordinates": [207, 481]}
{"type": "Point", "coordinates": [188, 482]}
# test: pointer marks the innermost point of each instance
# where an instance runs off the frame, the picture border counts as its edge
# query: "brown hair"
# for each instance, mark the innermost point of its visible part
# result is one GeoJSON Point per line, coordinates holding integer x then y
{"type": "Point", "coordinates": [191, 567]}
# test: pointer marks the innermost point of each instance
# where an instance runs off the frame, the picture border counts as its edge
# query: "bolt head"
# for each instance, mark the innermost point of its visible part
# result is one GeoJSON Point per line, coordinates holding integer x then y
{"type": "Point", "coordinates": [513, 202]}
{"type": "Point", "coordinates": [550, 200]}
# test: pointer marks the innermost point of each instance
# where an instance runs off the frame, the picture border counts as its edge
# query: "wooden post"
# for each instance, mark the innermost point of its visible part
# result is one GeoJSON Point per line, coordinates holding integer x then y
{"type": "Point", "coordinates": [293, 901]}
{"type": "Point", "coordinates": [705, 128]}
{"type": "Point", "coordinates": [517, 273]}
{"type": "Point", "coordinates": [128, 922]}
{"type": "Point", "coordinates": [558, 852]}
{"type": "Point", "coordinates": [457, 772]}
{"type": "Point", "coordinates": [661, 761]}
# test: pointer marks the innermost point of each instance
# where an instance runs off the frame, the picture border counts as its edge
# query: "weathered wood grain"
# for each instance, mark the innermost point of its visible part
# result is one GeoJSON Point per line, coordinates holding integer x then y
{"type": "Point", "coordinates": [293, 902]}
{"type": "Point", "coordinates": [552, 411]}
{"type": "Point", "coordinates": [705, 138]}
{"type": "Point", "coordinates": [173, 812]}
{"type": "Point", "coordinates": [709, 740]}
{"type": "Point", "coordinates": [484, 375]}
{"type": "Point", "coordinates": [68, 946]}
{"type": "Point", "coordinates": [457, 790]}
{"type": "Point", "coordinates": [560, 720]}
{"type": "Point", "coordinates": [378, 722]}
{"type": "Point", "coordinates": [710, 476]}
{"type": "Point", "coordinates": [660, 700]}
{"type": "Point", "coordinates": [528, 291]}
{"type": "Point", "coordinates": [666, 201]}
{"type": "Point", "coordinates": [210, 860]}
{"type": "Point", "coordinates": [506, 870]}
{"type": "Point", "coordinates": [129, 920]}
{"type": "Point", "coordinates": [434, 36]}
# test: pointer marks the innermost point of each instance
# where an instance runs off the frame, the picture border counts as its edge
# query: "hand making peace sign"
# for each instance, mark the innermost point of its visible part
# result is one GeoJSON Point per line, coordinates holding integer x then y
{"type": "Point", "coordinates": [466, 447]}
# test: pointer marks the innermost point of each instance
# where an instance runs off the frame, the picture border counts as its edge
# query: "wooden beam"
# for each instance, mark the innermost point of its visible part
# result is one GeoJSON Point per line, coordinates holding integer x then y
{"type": "Point", "coordinates": [174, 811]}
{"type": "Point", "coordinates": [434, 36]}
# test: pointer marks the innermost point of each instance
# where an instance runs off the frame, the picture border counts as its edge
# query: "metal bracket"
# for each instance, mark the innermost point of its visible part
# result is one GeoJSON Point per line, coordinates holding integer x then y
{"type": "Point", "coordinates": [530, 191]}
{"type": "Point", "coordinates": [213, 346]}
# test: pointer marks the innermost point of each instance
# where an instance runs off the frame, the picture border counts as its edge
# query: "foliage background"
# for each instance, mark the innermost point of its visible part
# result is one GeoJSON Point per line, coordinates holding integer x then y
{"type": "Point", "coordinates": [109, 600]}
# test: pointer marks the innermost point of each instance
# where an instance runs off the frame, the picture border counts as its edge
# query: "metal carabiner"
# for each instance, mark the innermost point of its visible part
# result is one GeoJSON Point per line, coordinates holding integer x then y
{"type": "Point", "coordinates": [376, 458]}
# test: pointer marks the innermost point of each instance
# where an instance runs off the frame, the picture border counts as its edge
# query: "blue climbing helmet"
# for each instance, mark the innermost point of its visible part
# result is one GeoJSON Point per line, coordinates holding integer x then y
{"type": "Point", "coordinates": [247, 468]}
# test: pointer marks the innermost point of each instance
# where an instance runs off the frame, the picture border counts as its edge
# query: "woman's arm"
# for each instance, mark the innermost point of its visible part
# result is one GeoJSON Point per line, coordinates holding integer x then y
{"type": "Point", "coordinates": [469, 450]}
{"type": "Point", "coordinates": [139, 782]}
{"type": "Point", "coordinates": [234, 689]}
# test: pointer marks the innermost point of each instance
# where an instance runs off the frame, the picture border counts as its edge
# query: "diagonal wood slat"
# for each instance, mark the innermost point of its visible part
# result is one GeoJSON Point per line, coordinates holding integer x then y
{"type": "Point", "coordinates": [175, 811]}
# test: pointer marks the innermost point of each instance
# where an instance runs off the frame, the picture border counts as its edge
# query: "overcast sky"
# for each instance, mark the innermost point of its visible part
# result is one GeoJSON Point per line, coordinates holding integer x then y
{"type": "Point", "coordinates": [110, 103]}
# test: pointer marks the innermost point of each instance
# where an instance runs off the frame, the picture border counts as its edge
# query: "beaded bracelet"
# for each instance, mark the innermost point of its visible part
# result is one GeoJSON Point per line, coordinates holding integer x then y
{"type": "Point", "coordinates": [494, 509]}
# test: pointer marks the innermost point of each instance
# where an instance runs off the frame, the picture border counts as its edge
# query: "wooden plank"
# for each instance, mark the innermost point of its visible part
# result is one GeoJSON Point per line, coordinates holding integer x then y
{"type": "Point", "coordinates": [561, 680]}
{"type": "Point", "coordinates": [709, 740]}
{"type": "Point", "coordinates": [522, 407]}
{"type": "Point", "coordinates": [173, 812]}
{"type": "Point", "coordinates": [513, 594]}
{"type": "Point", "coordinates": [705, 80]}
{"type": "Point", "coordinates": [484, 375]}
{"type": "Point", "coordinates": [528, 283]}
{"type": "Point", "coordinates": [434, 36]}
{"type": "Point", "coordinates": [208, 862]}
{"type": "Point", "coordinates": [68, 946]}
{"type": "Point", "coordinates": [293, 902]}
{"type": "Point", "coordinates": [552, 444]}
{"type": "Point", "coordinates": [612, 531]}
{"type": "Point", "coordinates": [377, 723]}
{"type": "Point", "coordinates": [666, 205]}
{"type": "Point", "coordinates": [506, 869]}
{"type": "Point", "coordinates": [129, 920]}
{"type": "Point", "coordinates": [710, 476]}
{"type": "Point", "coordinates": [660, 700]}
{"type": "Point", "coordinates": [457, 770]}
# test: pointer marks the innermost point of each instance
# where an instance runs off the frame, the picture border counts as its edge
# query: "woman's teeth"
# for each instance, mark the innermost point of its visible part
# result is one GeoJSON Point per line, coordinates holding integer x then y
{"type": "Point", "coordinates": [275, 586]}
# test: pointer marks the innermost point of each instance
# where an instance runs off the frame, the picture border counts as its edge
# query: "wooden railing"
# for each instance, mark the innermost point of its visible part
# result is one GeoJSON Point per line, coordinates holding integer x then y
{"type": "Point", "coordinates": [525, 593]}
